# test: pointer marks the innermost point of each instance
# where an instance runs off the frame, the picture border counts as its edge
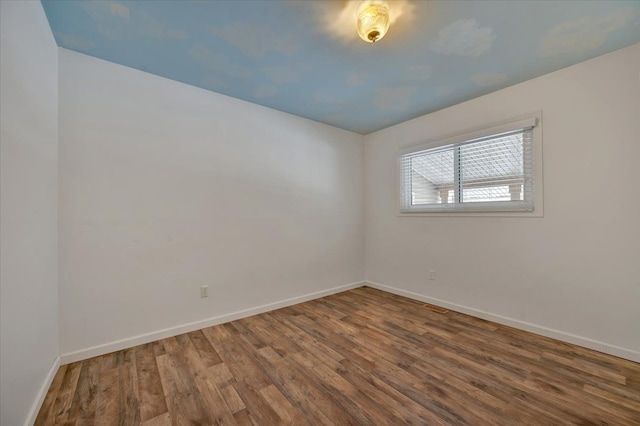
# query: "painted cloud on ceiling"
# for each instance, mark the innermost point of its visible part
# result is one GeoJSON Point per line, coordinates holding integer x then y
{"type": "Point", "coordinates": [217, 61]}
{"type": "Point", "coordinates": [119, 10]}
{"type": "Point", "coordinates": [213, 82]}
{"type": "Point", "coordinates": [74, 42]}
{"type": "Point", "coordinates": [583, 34]}
{"type": "Point", "coordinates": [115, 21]}
{"type": "Point", "coordinates": [265, 91]}
{"type": "Point", "coordinates": [396, 98]}
{"type": "Point", "coordinates": [282, 74]}
{"type": "Point", "coordinates": [446, 90]}
{"type": "Point", "coordinates": [464, 37]}
{"type": "Point", "coordinates": [256, 40]}
{"type": "Point", "coordinates": [489, 79]}
{"type": "Point", "coordinates": [357, 79]}
{"type": "Point", "coordinates": [418, 72]}
{"type": "Point", "coordinates": [325, 98]}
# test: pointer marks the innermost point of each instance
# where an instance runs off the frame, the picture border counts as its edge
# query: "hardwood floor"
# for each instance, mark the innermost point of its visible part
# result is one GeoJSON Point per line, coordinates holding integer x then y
{"type": "Point", "coordinates": [358, 357]}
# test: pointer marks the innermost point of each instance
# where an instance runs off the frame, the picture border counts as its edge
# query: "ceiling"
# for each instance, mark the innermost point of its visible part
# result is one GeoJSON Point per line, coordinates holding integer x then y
{"type": "Point", "coordinates": [305, 58]}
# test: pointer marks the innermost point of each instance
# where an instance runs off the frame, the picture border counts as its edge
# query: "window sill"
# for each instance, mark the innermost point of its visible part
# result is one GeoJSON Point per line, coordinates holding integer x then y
{"type": "Point", "coordinates": [475, 213]}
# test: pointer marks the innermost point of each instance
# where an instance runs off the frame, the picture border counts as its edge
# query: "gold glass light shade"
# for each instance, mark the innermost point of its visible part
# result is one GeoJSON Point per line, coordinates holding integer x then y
{"type": "Point", "coordinates": [372, 20]}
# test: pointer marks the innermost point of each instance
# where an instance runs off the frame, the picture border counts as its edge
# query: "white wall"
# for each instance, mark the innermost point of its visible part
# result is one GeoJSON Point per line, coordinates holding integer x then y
{"type": "Point", "coordinates": [166, 187]}
{"type": "Point", "coordinates": [577, 269]}
{"type": "Point", "coordinates": [28, 207]}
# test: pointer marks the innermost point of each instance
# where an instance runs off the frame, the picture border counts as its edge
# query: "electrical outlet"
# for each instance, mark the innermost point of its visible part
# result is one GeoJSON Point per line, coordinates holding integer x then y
{"type": "Point", "coordinates": [432, 275]}
{"type": "Point", "coordinates": [204, 291]}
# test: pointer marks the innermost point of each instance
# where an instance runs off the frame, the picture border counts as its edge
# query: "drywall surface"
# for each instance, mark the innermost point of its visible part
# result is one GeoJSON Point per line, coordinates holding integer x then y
{"type": "Point", "coordinates": [28, 207]}
{"type": "Point", "coordinates": [167, 187]}
{"type": "Point", "coordinates": [575, 270]}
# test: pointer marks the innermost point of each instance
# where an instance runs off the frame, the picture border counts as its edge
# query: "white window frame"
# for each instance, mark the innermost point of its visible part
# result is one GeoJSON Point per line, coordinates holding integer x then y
{"type": "Point", "coordinates": [499, 208]}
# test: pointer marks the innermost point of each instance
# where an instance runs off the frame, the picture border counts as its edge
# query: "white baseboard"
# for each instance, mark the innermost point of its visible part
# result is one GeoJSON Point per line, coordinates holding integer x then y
{"type": "Point", "coordinates": [42, 393]}
{"type": "Point", "coordinates": [186, 328]}
{"type": "Point", "coordinates": [537, 329]}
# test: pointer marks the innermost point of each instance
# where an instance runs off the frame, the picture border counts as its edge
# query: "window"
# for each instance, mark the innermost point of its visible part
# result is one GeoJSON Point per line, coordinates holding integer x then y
{"type": "Point", "coordinates": [491, 170]}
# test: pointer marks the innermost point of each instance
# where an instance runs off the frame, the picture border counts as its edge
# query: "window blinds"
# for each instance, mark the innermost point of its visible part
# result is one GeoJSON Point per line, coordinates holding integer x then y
{"type": "Point", "coordinates": [489, 173]}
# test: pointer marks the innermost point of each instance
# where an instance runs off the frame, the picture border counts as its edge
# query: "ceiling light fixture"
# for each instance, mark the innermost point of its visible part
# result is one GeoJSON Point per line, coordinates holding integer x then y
{"type": "Point", "coordinates": [372, 20]}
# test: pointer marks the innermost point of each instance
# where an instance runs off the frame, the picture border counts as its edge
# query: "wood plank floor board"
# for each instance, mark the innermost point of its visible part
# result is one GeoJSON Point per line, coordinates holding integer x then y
{"type": "Point", "coordinates": [212, 396]}
{"type": "Point", "coordinates": [357, 403]}
{"type": "Point", "coordinates": [294, 386]}
{"type": "Point", "coordinates": [358, 357]}
{"type": "Point", "coordinates": [206, 352]}
{"type": "Point", "coordinates": [64, 398]}
{"type": "Point", "coordinates": [402, 407]}
{"type": "Point", "coordinates": [83, 407]}
{"type": "Point", "coordinates": [152, 400]}
{"type": "Point", "coordinates": [46, 416]}
{"type": "Point", "coordinates": [274, 333]}
{"type": "Point", "coordinates": [128, 395]}
{"type": "Point", "coordinates": [108, 399]}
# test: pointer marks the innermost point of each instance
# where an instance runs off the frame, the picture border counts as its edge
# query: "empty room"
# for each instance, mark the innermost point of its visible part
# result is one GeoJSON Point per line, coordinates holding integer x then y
{"type": "Point", "coordinates": [320, 212]}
